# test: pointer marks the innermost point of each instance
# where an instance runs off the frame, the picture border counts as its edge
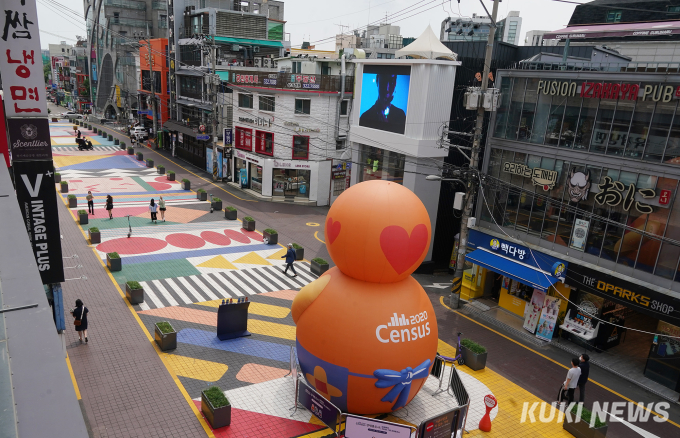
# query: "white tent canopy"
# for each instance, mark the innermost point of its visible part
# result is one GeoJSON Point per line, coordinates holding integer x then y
{"type": "Point", "coordinates": [427, 46]}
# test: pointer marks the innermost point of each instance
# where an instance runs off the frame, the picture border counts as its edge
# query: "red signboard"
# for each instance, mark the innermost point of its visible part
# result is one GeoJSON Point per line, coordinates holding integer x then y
{"type": "Point", "coordinates": [664, 197]}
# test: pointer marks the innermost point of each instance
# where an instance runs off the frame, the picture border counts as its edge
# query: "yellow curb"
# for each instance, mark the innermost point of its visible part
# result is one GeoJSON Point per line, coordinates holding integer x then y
{"type": "Point", "coordinates": [73, 377]}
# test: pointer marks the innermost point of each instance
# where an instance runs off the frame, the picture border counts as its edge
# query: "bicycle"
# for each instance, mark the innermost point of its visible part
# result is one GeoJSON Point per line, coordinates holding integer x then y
{"type": "Point", "coordinates": [459, 356]}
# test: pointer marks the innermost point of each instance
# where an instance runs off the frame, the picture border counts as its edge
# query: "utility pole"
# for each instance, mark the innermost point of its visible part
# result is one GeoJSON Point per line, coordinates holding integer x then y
{"type": "Point", "coordinates": [474, 164]}
{"type": "Point", "coordinates": [153, 89]}
{"type": "Point", "coordinates": [213, 98]}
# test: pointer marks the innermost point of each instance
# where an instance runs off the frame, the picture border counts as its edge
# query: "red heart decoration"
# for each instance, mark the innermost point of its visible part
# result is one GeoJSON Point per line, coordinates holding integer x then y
{"type": "Point", "coordinates": [400, 249]}
{"type": "Point", "coordinates": [332, 229]}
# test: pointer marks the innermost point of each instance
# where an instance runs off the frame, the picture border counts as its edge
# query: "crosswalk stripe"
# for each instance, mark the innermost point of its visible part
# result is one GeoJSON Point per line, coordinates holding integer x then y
{"type": "Point", "coordinates": [305, 274]}
{"type": "Point", "coordinates": [150, 293]}
{"type": "Point", "coordinates": [144, 306]}
{"type": "Point", "coordinates": [164, 293]}
{"type": "Point", "coordinates": [287, 281]}
{"type": "Point", "coordinates": [203, 287]}
{"type": "Point", "coordinates": [178, 290]}
{"type": "Point", "coordinates": [278, 284]}
{"type": "Point", "coordinates": [229, 288]}
{"type": "Point", "coordinates": [257, 277]}
{"type": "Point", "coordinates": [220, 290]}
{"type": "Point", "coordinates": [191, 289]}
{"type": "Point", "coordinates": [236, 280]}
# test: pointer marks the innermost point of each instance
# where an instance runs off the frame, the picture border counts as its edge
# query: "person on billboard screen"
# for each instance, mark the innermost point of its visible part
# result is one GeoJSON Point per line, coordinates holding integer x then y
{"type": "Point", "coordinates": [383, 115]}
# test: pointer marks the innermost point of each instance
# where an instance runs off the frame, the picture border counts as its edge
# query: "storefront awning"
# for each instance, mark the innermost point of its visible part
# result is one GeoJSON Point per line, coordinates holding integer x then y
{"type": "Point", "coordinates": [249, 42]}
{"type": "Point", "coordinates": [172, 125]}
{"type": "Point", "coordinates": [517, 271]}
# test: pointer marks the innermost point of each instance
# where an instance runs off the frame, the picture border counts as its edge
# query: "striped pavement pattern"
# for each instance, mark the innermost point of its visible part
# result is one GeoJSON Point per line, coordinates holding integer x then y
{"type": "Point", "coordinates": [96, 148]}
{"type": "Point", "coordinates": [221, 285]}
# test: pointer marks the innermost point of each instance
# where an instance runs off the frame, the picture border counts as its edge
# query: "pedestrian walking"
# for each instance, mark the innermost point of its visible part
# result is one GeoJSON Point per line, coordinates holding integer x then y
{"type": "Point", "coordinates": [152, 209]}
{"type": "Point", "coordinates": [132, 140]}
{"type": "Point", "coordinates": [90, 202]}
{"type": "Point", "coordinates": [80, 319]}
{"type": "Point", "coordinates": [161, 207]}
{"type": "Point", "coordinates": [109, 206]}
{"type": "Point", "coordinates": [584, 364]}
{"type": "Point", "coordinates": [572, 379]}
{"type": "Point", "coordinates": [79, 134]}
{"type": "Point", "coordinates": [290, 259]}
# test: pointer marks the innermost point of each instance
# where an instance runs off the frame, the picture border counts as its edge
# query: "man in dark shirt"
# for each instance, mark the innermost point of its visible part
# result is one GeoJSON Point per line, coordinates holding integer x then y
{"type": "Point", "coordinates": [583, 379]}
{"type": "Point", "coordinates": [383, 115]}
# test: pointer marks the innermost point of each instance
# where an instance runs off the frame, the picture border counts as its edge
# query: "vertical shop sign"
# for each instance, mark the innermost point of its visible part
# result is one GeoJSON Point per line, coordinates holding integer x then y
{"type": "Point", "coordinates": [532, 310]}
{"type": "Point", "coordinates": [665, 196]}
{"type": "Point", "coordinates": [579, 235]}
{"type": "Point", "coordinates": [548, 321]}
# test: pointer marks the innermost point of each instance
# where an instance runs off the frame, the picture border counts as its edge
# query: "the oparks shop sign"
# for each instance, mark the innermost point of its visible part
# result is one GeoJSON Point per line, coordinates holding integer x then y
{"type": "Point", "coordinates": [608, 90]}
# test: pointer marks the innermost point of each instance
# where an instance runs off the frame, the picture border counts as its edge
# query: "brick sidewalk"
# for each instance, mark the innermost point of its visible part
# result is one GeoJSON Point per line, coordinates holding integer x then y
{"type": "Point", "coordinates": [126, 390]}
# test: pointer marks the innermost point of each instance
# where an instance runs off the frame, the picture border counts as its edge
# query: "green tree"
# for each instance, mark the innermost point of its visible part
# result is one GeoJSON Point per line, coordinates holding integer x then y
{"type": "Point", "coordinates": [85, 89]}
{"type": "Point", "coordinates": [46, 72]}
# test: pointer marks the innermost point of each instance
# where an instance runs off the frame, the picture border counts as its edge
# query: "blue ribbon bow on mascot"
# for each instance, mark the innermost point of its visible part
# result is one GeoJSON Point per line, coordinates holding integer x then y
{"type": "Point", "coordinates": [400, 382]}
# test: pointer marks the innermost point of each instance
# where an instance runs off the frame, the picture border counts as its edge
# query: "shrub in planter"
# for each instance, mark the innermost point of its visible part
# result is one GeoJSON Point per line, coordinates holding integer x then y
{"type": "Point", "coordinates": [131, 151]}
{"type": "Point", "coordinates": [114, 262]}
{"type": "Point", "coordinates": [72, 201]}
{"type": "Point", "coordinates": [140, 156]}
{"type": "Point", "coordinates": [165, 336]}
{"type": "Point", "coordinates": [473, 355]}
{"type": "Point", "coordinates": [216, 407]}
{"type": "Point", "coordinates": [149, 162]}
{"type": "Point", "coordinates": [64, 186]}
{"type": "Point", "coordinates": [581, 428]}
{"type": "Point", "coordinates": [216, 204]}
{"type": "Point", "coordinates": [83, 216]}
{"type": "Point", "coordinates": [134, 292]}
{"type": "Point", "coordinates": [57, 177]}
{"type": "Point", "coordinates": [160, 169]}
{"type": "Point", "coordinates": [95, 235]}
{"type": "Point", "coordinates": [186, 184]}
{"type": "Point", "coordinates": [319, 266]}
{"type": "Point", "coordinates": [230, 213]}
{"type": "Point", "coordinates": [171, 175]}
{"type": "Point", "coordinates": [110, 137]}
{"type": "Point", "coordinates": [248, 223]}
{"type": "Point", "coordinates": [201, 195]}
{"type": "Point", "coordinates": [122, 145]}
{"type": "Point", "coordinates": [299, 252]}
{"type": "Point", "coordinates": [116, 141]}
{"type": "Point", "coordinates": [270, 236]}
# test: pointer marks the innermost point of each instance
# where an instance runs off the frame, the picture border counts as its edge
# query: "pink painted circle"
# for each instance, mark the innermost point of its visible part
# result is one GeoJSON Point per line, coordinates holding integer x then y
{"type": "Point", "coordinates": [235, 235]}
{"type": "Point", "coordinates": [133, 245]}
{"type": "Point", "coordinates": [116, 179]}
{"type": "Point", "coordinates": [186, 241]}
{"type": "Point", "coordinates": [215, 238]}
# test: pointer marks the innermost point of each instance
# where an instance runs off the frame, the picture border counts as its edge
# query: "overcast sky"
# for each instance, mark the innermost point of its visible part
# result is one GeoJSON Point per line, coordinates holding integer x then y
{"type": "Point", "coordinates": [319, 20]}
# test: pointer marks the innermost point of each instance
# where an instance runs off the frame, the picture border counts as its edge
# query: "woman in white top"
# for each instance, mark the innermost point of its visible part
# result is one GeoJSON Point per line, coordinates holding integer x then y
{"type": "Point", "coordinates": [152, 209]}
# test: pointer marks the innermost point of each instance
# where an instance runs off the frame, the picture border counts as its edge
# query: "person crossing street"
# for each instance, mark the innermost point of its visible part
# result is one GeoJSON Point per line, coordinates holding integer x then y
{"type": "Point", "coordinates": [290, 259]}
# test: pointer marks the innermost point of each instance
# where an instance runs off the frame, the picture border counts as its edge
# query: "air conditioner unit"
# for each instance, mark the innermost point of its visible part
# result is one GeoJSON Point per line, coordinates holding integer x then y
{"type": "Point", "coordinates": [235, 48]}
{"type": "Point", "coordinates": [256, 49]}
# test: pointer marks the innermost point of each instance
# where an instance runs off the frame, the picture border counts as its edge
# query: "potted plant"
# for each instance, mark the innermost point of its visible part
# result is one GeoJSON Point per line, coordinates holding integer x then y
{"type": "Point", "coordinates": [474, 355]}
{"type": "Point", "coordinates": [72, 201]}
{"type": "Point", "coordinates": [216, 204]}
{"type": "Point", "coordinates": [134, 292]}
{"type": "Point", "coordinates": [140, 156]}
{"type": "Point", "coordinates": [149, 162]}
{"type": "Point", "coordinates": [216, 407]}
{"type": "Point", "coordinates": [580, 427]}
{"type": "Point", "coordinates": [299, 252]}
{"type": "Point", "coordinates": [319, 266]}
{"type": "Point", "coordinates": [57, 177]}
{"type": "Point", "coordinates": [116, 141]}
{"type": "Point", "coordinates": [95, 235]}
{"type": "Point", "coordinates": [170, 175]}
{"type": "Point", "coordinates": [165, 336]}
{"type": "Point", "coordinates": [131, 151]}
{"type": "Point", "coordinates": [248, 223]}
{"type": "Point", "coordinates": [160, 169]}
{"type": "Point", "coordinates": [270, 236]}
{"type": "Point", "coordinates": [64, 186]}
{"type": "Point", "coordinates": [113, 261]}
{"type": "Point", "coordinates": [82, 216]}
{"type": "Point", "coordinates": [122, 145]}
{"type": "Point", "coordinates": [110, 137]}
{"type": "Point", "coordinates": [201, 195]}
{"type": "Point", "coordinates": [230, 213]}
{"type": "Point", "coordinates": [186, 184]}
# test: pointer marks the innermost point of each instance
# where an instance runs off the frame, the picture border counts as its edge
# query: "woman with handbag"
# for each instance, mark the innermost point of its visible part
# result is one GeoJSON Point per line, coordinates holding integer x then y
{"type": "Point", "coordinates": [109, 206]}
{"type": "Point", "coordinates": [80, 319]}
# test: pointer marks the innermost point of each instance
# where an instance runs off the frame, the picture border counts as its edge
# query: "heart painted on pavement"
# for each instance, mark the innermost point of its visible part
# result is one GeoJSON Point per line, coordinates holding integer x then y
{"type": "Point", "coordinates": [332, 229]}
{"type": "Point", "coordinates": [400, 249]}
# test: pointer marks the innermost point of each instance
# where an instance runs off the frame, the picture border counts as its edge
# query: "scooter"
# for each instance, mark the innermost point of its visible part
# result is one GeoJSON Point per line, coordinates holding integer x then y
{"type": "Point", "coordinates": [84, 144]}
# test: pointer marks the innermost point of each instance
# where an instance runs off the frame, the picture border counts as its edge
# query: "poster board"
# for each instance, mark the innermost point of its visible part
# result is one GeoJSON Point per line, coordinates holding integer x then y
{"type": "Point", "coordinates": [548, 320]}
{"type": "Point", "coordinates": [315, 403]}
{"type": "Point", "coordinates": [362, 427]}
{"type": "Point", "coordinates": [533, 310]}
{"type": "Point", "coordinates": [450, 424]}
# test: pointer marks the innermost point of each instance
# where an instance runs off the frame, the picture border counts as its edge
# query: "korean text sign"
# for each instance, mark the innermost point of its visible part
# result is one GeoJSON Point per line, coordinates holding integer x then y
{"type": "Point", "coordinates": [21, 60]}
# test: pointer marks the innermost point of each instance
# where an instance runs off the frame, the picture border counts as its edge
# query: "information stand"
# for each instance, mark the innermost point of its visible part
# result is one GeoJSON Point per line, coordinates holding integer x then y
{"type": "Point", "coordinates": [232, 320]}
{"type": "Point", "coordinates": [447, 425]}
{"type": "Point", "coordinates": [362, 427]}
{"type": "Point", "coordinates": [321, 408]}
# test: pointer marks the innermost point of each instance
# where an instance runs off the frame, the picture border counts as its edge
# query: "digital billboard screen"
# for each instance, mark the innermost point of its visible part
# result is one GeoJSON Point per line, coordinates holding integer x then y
{"type": "Point", "coordinates": [384, 97]}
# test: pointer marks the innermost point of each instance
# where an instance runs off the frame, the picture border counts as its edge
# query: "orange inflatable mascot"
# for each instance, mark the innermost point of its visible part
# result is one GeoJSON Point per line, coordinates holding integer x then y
{"type": "Point", "coordinates": [366, 330]}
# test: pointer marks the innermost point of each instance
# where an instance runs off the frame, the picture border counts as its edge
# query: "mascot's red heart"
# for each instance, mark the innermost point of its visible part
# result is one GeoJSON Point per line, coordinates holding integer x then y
{"type": "Point", "coordinates": [400, 249]}
{"type": "Point", "coordinates": [332, 229]}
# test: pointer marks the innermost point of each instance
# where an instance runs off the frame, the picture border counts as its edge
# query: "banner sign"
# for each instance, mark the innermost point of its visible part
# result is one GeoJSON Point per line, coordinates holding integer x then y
{"type": "Point", "coordinates": [319, 406]}
{"type": "Point", "coordinates": [361, 427]}
{"type": "Point", "coordinates": [228, 136]}
{"type": "Point", "coordinates": [548, 321]}
{"type": "Point", "coordinates": [37, 198]}
{"type": "Point", "coordinates": [578, 236]}
{"type": "Point", "coordinates": [20, 60]}
{"type": "Point", "coordinates": [29, 139]}
{"type": "Point", "coordinates": [532, 311]}
{"type": "Point", "coordinates": [446, 425]}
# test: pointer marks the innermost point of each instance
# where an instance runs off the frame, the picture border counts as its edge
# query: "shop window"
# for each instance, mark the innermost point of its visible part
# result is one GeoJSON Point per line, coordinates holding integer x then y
{"type": "Point", "coordinates": [543, 102]}
{"type": "Point", "coordinates": [503, 107]}
{"type": "Point", "coordinates": [618, 137]}
{"type": "Point", "coordinates": [244, 138]}
{"type": "Point", "coordinates": [291, 182]}
{"type": "Point", "coordinates": [297, 67]}
{"type": "Point", "coordinates": [662, 125]}
{"type": "Point", "coordinates": [302, 106]}
{"type": "Point", "coordinates": [381, 164]}
{"type": "Point", "coordinates": [245, 100]}
{"type": "Point", "coordinates": [613, 16]}
{"type": "Point", "coordinates": [516, 102]}
{"type": "Point", "coordinates": [570, 121]}
{"type": "Point", "coordinates": [267, 103]}
{"type": "Point", "coordinates": [264, 142]}
{"type": "Point", "coordinates": [673, 8]}
{"type": "Point", "coordinates": [300, 147]}
{"type": "Point", "coordinates": [603, 124]}
{"type": "Point", "coordinates": [344, 107]}
{"type": "Point", "coordinates": [584, 129]}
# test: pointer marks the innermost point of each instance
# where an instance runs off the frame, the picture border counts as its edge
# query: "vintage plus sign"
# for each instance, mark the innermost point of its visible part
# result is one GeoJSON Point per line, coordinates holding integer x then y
{"type": "Point", "coordinates": [48, 173]}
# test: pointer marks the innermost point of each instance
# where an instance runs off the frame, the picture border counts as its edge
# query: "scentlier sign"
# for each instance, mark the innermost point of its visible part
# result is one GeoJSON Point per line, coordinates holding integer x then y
{"type": "Point", "coordinates": [30, 139]}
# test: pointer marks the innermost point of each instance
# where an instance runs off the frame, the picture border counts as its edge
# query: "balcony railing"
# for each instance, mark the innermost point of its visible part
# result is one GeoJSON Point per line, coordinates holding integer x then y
{"type": "Point", "coordinates": [159, 5]}
{"type": "Point", "coordinates": [122, 21]}
{"type": "Point", "coordinates": [290, 81]}
{"type": "Point", "coordinates": [126, 4]}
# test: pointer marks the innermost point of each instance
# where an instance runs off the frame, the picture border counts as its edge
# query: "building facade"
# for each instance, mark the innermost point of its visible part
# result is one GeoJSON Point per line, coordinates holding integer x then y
{"type": "Point", "coordinates": [154, 60]}
{"type": "Point", "coordinates": [476, 28]}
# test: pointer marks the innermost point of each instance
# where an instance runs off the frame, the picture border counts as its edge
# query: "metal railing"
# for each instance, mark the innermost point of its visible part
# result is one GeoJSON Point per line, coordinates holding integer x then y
{"type": "Point", "coordinates": [639, 67]}
{"type": "Point", "coordinates": [159, 5]}
{"type": "Point", "coordinates": [290, 81]}
{"type": "Point", "coordinates": [132, 22]}
{"type": "Point", "coordinates": [126, 4]}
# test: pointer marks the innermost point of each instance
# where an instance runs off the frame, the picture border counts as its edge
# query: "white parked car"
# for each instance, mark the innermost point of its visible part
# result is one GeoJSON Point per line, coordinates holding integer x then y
{"type": "Point", "coordinates": [71, 115]}
{"type": "Point", "coordinates": [140, 133]}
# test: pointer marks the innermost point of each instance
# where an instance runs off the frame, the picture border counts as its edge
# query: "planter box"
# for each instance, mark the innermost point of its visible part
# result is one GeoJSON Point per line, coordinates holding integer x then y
{"type": "Point", "coordinates": [202, 196]}
{"type": "Point", "coordinates": [299, 253]}
{"type": "Point", "coordinates": [272, 239]}
{"type": "Point", "coordinates": [149, 163]}
{"type": "Point", "coordinates": [186, 185]}
{"type": "Point", "coordinates": [217, 206]}
{"type": "Point", "coordinates": [83, 218]}
{"type": "Point", "coordinates": [54, 119]}
{"type": "Point", "coordinates": [140, 156]}
{"type": "Point", "coordinates": [110, 137]}
{"type": "Point", "coordinates": [131, 152]}
{"type": "Point", "coordinates": [318, 269]}
{"type": "Point", "coordinates": [72, 203]}
{"type": "Point", "coordinates": [230, 214]}
{"type": "Point", "coordinates": [248, 225]}
{"type": "Point", "coordinates": [160, 170]}
{"type": "Point", "coordinates": [64, 188]}
{"type": "Point", "coordinates": [57, 178]}
{"type": "Point", "coordinates": [134, 296]}
{"type": "Point", "coordinates": [114, 265]}
{"type": "Point", "coordinates": [95, 237]}
{"type": "Point", "coordinates": [167, 341]}
{"type": "Point", "coordinates": [217, 418]}
{"type": "Point", "coordinates": [474, 361]}
{"type": "Point", "coordinates": [581, 429]}
{"type": "Point", "coordinates": [116, 141]}
{"type": "Point", "coordinates": [171, 176]}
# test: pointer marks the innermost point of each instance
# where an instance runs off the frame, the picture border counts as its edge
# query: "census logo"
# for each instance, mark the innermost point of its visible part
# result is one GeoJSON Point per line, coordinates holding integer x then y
{"type": "Point", "coordinates": [495, 244]}
{"type": "Point", "coordinates": [416, 331]}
